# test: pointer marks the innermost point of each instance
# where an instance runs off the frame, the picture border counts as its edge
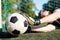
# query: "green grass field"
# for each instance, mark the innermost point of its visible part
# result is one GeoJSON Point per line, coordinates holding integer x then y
{"type": "Point", "coordinates": [54, 35]}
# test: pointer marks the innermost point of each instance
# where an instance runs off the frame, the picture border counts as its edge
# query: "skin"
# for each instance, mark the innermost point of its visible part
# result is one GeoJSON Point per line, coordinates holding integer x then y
{"type": "Point", "coordinates": [52, 17]}
{"type": "Point", "coordinates": [47, 28]}
{"type": "Point", "coordinates": [44, 13]}
{"type": "Point", "coordinates": [47, 19]}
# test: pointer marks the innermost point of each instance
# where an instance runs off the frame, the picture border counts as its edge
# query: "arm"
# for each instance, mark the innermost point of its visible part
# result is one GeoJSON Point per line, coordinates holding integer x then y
{"type": "Point", "coordinates": [47, 28]}
{"type": "Point", "coordinates": [52, 17]}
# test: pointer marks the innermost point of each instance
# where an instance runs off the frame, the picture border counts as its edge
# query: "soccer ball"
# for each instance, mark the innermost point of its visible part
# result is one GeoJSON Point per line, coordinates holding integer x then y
{"type": "Point", "coordinates": [16, 24]}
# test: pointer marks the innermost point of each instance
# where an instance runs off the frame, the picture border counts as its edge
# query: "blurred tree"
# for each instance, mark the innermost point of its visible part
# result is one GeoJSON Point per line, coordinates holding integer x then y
{"type": "Point", "coordinates": [26, 7]}
{"type": "Point", "coordinates": [14, 5]}
{"type": "Point", "coordinates": [5, 8]}
{"type": "Point", "coordinates": [8, 7]}
{"type": "Point", "coordinates": [51, 5]}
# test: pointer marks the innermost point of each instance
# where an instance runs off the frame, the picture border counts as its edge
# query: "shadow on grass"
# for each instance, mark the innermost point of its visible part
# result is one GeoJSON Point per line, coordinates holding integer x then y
{"type": "Point", "coordinates": [6, 35]}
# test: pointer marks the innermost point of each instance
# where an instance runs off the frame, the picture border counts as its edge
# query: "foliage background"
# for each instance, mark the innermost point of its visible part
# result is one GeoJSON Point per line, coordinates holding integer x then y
{"type": "Point", "coordinates": [12, 6]}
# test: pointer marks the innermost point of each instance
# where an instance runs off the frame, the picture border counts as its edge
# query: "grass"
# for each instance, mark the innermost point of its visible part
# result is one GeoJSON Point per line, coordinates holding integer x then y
{"type": "Point", "coordinates": [54, 35]}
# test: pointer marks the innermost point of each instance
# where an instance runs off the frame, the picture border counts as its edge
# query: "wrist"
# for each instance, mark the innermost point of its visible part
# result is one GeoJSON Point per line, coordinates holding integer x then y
{"type": "Point", "coordinates": [37, 22]}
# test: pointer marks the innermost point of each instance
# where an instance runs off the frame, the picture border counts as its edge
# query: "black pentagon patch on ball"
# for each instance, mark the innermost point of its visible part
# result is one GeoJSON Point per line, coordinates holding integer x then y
{"type": "Point", "coordinates": [16, 32]}
{"type": "Point", "coordinates": [13, 19]}
{"type": "Point", "coordinates": [25, 23]}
